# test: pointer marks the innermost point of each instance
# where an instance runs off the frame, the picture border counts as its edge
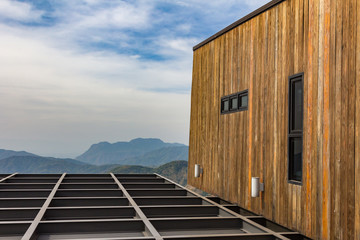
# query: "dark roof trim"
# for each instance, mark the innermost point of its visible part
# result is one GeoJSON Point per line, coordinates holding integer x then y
{"type": "Point", "coordinates": [239, 22]}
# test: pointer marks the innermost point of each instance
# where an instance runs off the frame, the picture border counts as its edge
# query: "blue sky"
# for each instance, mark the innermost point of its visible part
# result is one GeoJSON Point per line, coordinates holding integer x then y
{"type": "Point", "coordinates": [77, 72]}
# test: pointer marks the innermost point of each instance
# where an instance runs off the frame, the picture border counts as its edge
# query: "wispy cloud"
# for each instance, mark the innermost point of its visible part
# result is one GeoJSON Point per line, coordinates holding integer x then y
{"type": "Point", "coordinates": [19, 11]}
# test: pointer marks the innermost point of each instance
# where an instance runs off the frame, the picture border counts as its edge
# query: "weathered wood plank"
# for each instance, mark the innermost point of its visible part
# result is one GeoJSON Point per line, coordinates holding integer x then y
{"type": "Point", "coordinates": [325, 234]}
{"type": "Point", "coordinates": [312, 116]}
{"type": "Point", "coordinates": [357, 130]}
{"type": "Point", "coordinates": [305, 192]}
{"type": "Point", "coordinates": [332, 106]}
{"type": "Point", "coordinates": [251, 109]}
{"type": "Point", "coordinates": [222, 119]}
{"type": "Point", "coordinates": [281, 122]}
{"type": "Point", "coordinates": [351, 125]}
{"type": "Point", "coordinates": [275, 204]}
{"type": "Point", "coordinates": [344, 121]}
{"type": "Point", "coordinates": [338, 106]}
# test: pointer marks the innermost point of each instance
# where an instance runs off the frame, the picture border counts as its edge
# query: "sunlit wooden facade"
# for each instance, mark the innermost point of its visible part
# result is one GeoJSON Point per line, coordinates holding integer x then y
{"type": "Point", "coordinates": [321, 39]}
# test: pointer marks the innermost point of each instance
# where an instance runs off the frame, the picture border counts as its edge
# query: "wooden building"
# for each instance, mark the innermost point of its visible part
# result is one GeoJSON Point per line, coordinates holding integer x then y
{"type": "Point", "coordinates": [276, 95]}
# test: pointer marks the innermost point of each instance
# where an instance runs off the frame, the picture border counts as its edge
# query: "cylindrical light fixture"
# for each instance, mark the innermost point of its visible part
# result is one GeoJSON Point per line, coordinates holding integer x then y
{"type": "Point", "coordinates": [197, 170]}
{"type": "Point", "coordinates": [256, 187]}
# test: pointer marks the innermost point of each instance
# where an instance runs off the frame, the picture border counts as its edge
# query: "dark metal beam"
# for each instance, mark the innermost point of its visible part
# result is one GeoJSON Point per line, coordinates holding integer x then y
{"type": "Point", "coordinates": [255, 236]}
{"type": "Point", "coordinates": [199, 223]}
{"type": "Point", "coordinates": [23, 214]}
{"type": "Point", "coordinates": [13, 229]}
{"type": "Point", "coordinates": [44, 176]}
{"type": "Point", "coordinates": [32, 180]}
{"type": "Point", "coordinates": [180, 211]}
{"type": "Point", "coordinates": [93, 185]}
{"type": "Point", "coordinates": [141, 180]}
{"type": "Point", "coordinates": [168, 200]}
{"type": "Point", "coordinates": [143, 176]}
{"type": "Point", "coordinates": [88, 180]}
{"type": "Point", "coordinates": [21, 202]}
{"type": "Point", "coordinates": [145, 185]}
{"type": "Point", "coordinates": [24, 193]}
{"type": "Point", "coordinates": [26, 185]}
{"type": "Point", "coordinates": [79, 227]}
{"type": "Point", "coordinates": [157, 192]}
{"type": "Point", "coordinates": [88, 193]}
{"type": "Point", "coordinates": [89, 201]}
{"type": "Point", "coordinates": [89, 213]}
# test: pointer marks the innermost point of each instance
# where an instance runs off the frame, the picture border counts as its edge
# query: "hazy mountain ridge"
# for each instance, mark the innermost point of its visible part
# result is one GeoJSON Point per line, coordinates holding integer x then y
{"type": "Point", "coordinates": [139, 151]}
{"type": "Point", "coordinates": [37, 164]}
{"type": "Point", "coordinates": [175, 170]}
{"type": "Point", "coordinates": [10, 153]}
{"type": "Point", "coordinates": [146, 156]}
{"type": "Point", "coordinates": [159, 157]}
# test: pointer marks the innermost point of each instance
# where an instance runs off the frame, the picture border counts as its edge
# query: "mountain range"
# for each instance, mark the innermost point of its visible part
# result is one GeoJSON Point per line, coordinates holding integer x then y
{"type": "Point", "coordinates": [9, 153]}
{"type": "Point", "coordinates": [136, 156]}
{"type": "Point", "coordinates": [139, 151]}
{"type": "Point", "coordinates": [37, 164]}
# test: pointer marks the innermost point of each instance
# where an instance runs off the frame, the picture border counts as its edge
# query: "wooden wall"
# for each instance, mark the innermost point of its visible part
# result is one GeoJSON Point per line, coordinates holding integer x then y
{"type": "Point", "coordinates": [322, 39]}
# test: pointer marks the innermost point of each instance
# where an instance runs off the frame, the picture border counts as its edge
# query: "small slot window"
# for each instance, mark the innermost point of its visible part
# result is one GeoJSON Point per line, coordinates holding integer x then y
{"type": "Point", "coordinates": [234, 102]}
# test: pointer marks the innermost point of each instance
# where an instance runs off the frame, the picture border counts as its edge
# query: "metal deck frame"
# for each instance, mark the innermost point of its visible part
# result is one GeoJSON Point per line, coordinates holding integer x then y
{"type": "Point", "coordinates": [121, 206]}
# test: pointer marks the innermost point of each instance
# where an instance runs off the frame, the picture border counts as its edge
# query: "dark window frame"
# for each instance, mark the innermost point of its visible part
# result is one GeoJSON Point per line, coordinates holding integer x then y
{"type": "Point", "coordinates": [229, 98]}
{"type": "Point", "coordinates": [294, 134]}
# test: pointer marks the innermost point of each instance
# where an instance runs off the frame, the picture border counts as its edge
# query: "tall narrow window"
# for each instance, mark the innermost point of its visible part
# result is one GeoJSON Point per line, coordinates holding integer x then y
{"type": "Point", "coordinates": [295, 139]}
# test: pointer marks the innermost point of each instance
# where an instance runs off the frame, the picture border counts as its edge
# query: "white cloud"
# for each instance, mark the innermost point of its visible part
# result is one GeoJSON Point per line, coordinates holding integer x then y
{"type": "Point", "coordinates": [104, 14]}
{"type": "Point", "coordinates": [18, 11]}
{"type": "Point", "coordinates": [178, 47]}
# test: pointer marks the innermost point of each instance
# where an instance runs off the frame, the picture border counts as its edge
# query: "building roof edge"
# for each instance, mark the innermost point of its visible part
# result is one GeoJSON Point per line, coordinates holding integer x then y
{"type": "Point", "coordinates": [239, 22]}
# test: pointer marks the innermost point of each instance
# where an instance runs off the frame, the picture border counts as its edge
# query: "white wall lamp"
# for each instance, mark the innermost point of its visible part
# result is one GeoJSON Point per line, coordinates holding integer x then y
{"type": "Point", "coordinates": [198, 170]}
{"type": "Point", "coordinates": [256, 187]}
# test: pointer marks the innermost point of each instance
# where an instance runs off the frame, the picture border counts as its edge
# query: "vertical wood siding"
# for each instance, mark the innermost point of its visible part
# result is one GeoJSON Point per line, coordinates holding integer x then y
{"type": "Point", "coordinates": [322, 39]}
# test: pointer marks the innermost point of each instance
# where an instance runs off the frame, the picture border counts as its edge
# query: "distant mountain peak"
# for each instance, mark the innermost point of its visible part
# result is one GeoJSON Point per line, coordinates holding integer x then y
{"type": "Point", "coordinates": [10, 153]}
{"type": "Point", "coordinates": [145, 140]}
{"type": "Point", "coordinates": [116, 153]}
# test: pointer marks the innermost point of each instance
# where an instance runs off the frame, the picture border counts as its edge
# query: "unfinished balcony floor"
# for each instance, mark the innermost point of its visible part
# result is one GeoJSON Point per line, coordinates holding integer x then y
{"type": "Point", "coordinates": [121, 206]}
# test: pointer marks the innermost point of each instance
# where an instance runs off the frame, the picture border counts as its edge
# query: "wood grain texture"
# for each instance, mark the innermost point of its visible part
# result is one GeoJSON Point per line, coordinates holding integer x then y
{"type": "Point", "coordinates": [357, 129]}
{"type": "Point", "coordinates": [322, 39]}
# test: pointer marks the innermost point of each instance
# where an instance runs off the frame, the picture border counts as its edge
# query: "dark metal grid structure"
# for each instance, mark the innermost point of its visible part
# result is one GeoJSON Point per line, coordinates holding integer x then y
{"type": "Point", "coordinates": [121, 206]}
